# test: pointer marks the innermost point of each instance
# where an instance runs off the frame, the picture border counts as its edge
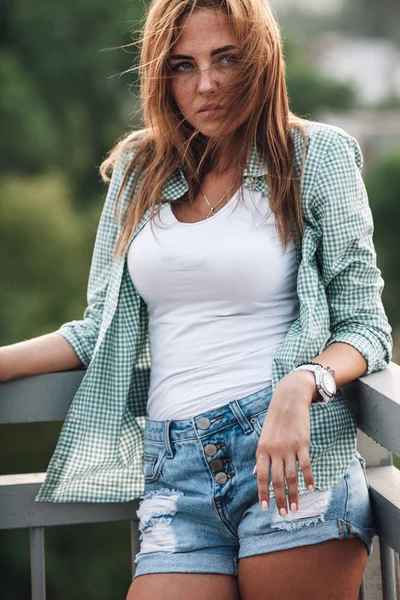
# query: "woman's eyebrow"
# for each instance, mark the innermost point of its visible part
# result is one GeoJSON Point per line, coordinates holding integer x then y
{"type": "Point", "coordinates": [213, 53]}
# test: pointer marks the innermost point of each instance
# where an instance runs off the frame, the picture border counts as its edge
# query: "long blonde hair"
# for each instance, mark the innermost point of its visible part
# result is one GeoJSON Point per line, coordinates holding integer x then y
{"type": "Point", "coordinates": [168, 141]}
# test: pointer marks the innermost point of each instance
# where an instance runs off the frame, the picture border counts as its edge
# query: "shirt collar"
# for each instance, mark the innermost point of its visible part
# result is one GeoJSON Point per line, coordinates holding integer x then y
{"type": "Point", "coordinates": [254, 178]}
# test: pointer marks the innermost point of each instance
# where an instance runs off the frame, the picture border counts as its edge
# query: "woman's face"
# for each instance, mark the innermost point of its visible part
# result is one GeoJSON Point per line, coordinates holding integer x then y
{"type": "Point", "coordinates": [202, 60]}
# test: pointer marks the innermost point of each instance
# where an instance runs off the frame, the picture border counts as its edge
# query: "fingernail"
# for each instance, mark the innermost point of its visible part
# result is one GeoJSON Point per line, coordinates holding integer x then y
{"type": "Point", "coordinates": [264, 505]}
{"type": "Point", "coordinates": [293, 507]}
{"type": "Point", "coordinates": [283, 512]}
{"type": "Point", "coordinates": [255, 469]}
{"type": "Point", "coordinates": [310, 488]}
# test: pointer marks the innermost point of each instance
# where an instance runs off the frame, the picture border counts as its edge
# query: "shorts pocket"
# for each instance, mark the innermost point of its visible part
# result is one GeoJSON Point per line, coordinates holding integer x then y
{"type": "Point", "coordinates": [154, 456]}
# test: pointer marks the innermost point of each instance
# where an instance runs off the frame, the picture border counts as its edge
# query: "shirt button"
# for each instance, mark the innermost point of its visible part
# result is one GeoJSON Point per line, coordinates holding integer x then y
{"type": "Point", "coordinates": [251, 182]}
{"type": "Point", "coordinates": [221, 477]}
{"type": "Point", "coordinates": [203, 423]}
{"type": "Point", "coordinates": [210, 450]}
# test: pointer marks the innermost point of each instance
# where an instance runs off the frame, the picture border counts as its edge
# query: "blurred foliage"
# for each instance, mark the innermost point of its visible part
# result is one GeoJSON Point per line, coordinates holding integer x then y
{"type": "Point", "coordinates": [383, 184]}
{"type": "Point", "coordinates": [372, 18]}
{"type": "Point", "coordinates": [62, 107]}
{"type": "Point", "coordinates": [61, 86]}
{"type": "Point", "coordinates": [311, 91]}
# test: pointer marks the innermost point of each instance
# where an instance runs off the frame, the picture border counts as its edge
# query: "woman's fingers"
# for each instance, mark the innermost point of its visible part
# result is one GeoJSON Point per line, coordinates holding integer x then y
{"type": "Point", "coordinates": [263, 473]}
{"type": "Point", "coordinates": [283, 470]}
{"type": "Point", "coordinates": [305, 465]}
{"type": "Point", "coordinates": [292, 482]}
{"type": "Point", "coordinates": [278, 482]}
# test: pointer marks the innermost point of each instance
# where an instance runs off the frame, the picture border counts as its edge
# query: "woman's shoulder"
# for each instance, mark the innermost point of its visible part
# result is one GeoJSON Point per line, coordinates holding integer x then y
{"type": "Point", "coordinates": [323, 141]}
{"type": "Point", "coordinates": [130, 145]}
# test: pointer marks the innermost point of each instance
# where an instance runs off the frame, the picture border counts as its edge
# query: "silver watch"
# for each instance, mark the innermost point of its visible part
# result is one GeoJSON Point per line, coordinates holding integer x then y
{"type": "Point", "coordinates": [324, 380]}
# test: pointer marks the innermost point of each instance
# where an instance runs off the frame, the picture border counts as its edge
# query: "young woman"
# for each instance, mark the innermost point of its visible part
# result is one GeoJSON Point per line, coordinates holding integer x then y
{"type": "Point", "coordinates": [233, 291]}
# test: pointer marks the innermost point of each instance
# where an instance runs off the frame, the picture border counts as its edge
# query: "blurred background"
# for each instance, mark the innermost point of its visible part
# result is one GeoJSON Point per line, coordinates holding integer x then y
{"type": "Point", "coordinates": [63, 104]}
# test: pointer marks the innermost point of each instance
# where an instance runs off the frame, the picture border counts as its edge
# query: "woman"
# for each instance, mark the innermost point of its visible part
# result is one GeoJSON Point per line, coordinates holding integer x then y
{"type": "Point", "coordinates": [242, 239]}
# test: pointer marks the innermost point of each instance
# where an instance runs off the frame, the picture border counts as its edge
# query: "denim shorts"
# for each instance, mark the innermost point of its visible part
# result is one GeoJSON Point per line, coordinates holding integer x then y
{"type": "Point", "coordinates": [200, 512]}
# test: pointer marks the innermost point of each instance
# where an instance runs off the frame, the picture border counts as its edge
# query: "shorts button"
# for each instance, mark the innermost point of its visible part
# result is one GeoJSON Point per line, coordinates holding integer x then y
{"type": "Point", "coordinates": [216, 464]}
{"type": "Point", "coordinates": [203, 423]}
{"type": "Point", "coordinates": [221, 477]}
{"type": "Point", "coordinates": [210, 449]}
{"type": "Point", "coordinates": [253, 420]}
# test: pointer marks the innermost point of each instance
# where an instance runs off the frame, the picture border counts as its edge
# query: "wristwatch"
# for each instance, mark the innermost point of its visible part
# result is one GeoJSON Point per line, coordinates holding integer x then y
{"type": "Point", "coordinates": [324, 380]}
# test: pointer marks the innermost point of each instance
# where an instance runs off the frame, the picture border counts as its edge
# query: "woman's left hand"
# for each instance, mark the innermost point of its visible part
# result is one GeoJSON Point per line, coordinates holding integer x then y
{"type": "Point", "coordinates": [285, 438]}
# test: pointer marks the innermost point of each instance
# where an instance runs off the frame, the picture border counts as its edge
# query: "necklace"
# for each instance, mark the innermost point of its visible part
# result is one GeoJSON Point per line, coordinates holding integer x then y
{"type": "Point", "coordinates": [212, 208]}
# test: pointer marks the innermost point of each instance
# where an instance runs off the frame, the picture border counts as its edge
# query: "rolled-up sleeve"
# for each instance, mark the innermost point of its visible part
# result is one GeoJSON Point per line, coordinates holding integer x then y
{"type": "Point", "coordinates": [347, 257]}
{"type": "Point", "coordinates": [82, 334]}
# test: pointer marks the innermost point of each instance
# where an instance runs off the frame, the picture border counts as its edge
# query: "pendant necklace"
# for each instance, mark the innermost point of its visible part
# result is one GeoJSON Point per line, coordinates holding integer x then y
{"type": "Point", "coordinates": [212, 208]}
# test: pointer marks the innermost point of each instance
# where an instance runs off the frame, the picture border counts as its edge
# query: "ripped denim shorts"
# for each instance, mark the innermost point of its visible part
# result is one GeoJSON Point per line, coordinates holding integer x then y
{"type": "Point", "coordinates": [200, 512]}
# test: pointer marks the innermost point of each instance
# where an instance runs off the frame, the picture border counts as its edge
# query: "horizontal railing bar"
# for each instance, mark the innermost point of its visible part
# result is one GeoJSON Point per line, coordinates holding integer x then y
{"type": "Point", "coordinates": [385, 498]}
{"type": "Point", "coordinates": [40, 398]}
{"type": "Point", "coordinates": [18, 508]}
{"type": "Point", "coordinates": [375, 400]}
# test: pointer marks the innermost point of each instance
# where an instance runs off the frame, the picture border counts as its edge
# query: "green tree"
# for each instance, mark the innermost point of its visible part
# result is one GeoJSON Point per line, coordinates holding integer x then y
{"type": "Point", "coordinates": [60, 46]}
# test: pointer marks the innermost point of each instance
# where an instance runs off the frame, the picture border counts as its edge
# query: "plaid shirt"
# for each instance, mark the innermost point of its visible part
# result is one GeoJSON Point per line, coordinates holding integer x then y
{"type": "Point", "coordinates": [98, 457]}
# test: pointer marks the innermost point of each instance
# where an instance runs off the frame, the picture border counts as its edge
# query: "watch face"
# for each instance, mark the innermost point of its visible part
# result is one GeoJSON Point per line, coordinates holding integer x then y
{"type": "Point", "coordinates": [328, 383]}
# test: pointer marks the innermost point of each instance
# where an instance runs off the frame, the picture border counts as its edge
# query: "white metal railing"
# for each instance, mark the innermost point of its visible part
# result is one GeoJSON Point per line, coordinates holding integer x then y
{"type": "Point", "coordinates": [375, 400]}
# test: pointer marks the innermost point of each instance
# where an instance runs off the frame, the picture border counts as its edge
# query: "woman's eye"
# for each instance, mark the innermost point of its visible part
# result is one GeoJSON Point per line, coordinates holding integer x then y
{"type": "Point", "coordinates": [186, 66]}
{"type": "Point", "coordinates": [229, 59]}
{"type": "Point", "coordinates": [183, 66]}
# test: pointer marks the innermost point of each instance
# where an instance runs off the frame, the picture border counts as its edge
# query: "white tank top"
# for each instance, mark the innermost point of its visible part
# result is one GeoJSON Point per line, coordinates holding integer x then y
{"type": "Point", "coordinates": [221, 296]}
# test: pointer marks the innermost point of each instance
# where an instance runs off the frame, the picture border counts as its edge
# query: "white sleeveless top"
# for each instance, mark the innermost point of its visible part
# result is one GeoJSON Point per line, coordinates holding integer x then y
{"type": "Point", "coordinates": [221, 296]}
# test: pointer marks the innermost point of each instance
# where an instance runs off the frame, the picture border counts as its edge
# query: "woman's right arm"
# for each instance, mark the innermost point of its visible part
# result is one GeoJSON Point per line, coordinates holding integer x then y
{"type": "Point", "coordinates": [45, 354]}
{"type": "Point", "coordinates": [73, 344]}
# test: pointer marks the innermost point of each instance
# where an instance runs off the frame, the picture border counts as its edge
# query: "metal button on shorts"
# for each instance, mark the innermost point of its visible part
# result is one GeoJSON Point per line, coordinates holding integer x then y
{"type": "Point", "coordinates": [203, 423]}
{"type": "Point", "coordinates": [210, 449]}
{"type": "Point", "coordinates": [216, 464]}
{"type": "Point", "coordinates": [221, 477]}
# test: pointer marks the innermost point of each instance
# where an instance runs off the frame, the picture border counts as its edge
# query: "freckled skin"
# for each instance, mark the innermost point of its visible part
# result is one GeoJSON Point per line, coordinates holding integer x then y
{"type": "Point", "coordinates": [201, 79]}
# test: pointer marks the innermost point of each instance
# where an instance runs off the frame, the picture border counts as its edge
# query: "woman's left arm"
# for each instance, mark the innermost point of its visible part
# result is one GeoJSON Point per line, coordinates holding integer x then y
{"type": "Point", "coordinates": [360, 336]}
{"type": "Point", "coordinates": [347, 261]}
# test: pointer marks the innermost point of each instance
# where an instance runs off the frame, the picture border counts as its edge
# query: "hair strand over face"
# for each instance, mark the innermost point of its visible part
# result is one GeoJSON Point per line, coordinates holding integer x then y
{"type": "Point", "coordinates": [260, 115]}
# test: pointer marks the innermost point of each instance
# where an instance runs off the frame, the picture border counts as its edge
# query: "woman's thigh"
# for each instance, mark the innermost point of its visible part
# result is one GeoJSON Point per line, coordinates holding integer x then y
{"type": "Point", "coordinates": [331, 570]}
{"type": "Point", "coordinates": [181, 586]}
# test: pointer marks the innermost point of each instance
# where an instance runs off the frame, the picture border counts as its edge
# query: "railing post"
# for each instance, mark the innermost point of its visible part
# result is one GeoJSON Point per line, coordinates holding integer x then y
{"type": "Point", "coordinates": [388, 571]}
{"type": "Point", "coordinates": [38, 582]}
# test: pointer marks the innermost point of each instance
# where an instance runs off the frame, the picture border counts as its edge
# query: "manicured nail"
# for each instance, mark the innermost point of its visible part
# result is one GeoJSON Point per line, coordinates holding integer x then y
{"type": "Point", "coordinates": [283, 512]}
{"type": "Point", "coordinates": [255, 469]}
{"type": "Point", "coordinates": [310, 488]}
{"type": "Point", "coordinates": [264, 505]}
{"type": "Point", "coordinates": [293, 507]}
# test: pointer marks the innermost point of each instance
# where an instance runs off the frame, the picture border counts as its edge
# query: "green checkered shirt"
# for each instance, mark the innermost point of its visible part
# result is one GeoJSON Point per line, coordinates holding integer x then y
{"type": "Point", "coordinates": [98, 457]}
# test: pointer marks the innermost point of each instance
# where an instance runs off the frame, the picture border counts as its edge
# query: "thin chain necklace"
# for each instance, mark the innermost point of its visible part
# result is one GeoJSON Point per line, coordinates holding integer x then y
{"type": "Point", "coordinates": [212, 208]}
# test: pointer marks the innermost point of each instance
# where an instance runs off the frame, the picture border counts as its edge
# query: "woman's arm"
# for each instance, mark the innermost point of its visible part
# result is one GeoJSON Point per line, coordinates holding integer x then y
{"type": "Point", "coordinates": [45, 354]}
{"type": "Point", "coordinates": [360, 341]}
{"type": "Point", "coordinates": [72, 345]}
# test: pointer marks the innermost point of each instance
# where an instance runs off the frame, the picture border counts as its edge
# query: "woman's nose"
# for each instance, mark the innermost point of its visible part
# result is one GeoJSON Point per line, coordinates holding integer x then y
{"type": "Point", "coordinates": [207, 81]}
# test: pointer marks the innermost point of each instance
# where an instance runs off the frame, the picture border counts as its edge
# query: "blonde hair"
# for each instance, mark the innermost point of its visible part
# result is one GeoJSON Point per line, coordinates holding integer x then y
{"type": "Point", "coordinates": [260, 113]}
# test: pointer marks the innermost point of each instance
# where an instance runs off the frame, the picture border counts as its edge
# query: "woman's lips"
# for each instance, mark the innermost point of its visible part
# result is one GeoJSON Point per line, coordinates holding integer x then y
{"type": "Point", "coordinates": [210, 112]}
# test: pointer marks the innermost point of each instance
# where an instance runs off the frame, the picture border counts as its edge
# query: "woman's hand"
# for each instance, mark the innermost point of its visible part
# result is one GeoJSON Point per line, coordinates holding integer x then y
{"type": "Point", "coordinates": [285, 438]}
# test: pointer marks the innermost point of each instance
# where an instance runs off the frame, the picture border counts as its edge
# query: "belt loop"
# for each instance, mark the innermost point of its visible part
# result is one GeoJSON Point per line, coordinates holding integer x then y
{"type": "Point", "coordinates": [241, 417]}
{"type": "Point", "coordinates": [167, 441]}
